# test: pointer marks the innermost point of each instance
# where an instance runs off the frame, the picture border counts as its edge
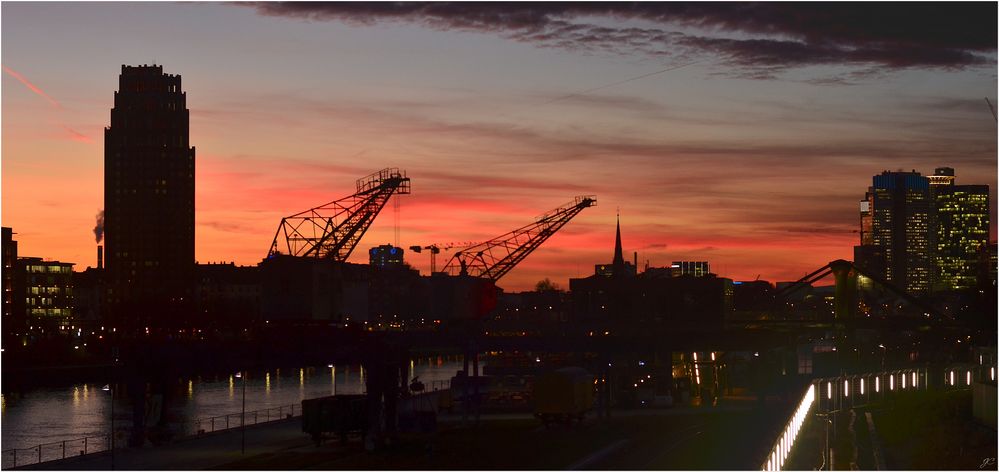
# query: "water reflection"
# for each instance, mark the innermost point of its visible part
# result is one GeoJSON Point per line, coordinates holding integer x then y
{"type": "Point", "coordinates": [46, 415]}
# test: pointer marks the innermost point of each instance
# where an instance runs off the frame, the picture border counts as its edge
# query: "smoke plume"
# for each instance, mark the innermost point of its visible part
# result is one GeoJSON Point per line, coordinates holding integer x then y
{"type": "Point", "coordinates": [99, 227]}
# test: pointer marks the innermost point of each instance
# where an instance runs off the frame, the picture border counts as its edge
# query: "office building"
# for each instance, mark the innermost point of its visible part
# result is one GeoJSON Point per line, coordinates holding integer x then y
{"type": "Point", "coordinates": [962, 228]}
{"type": "Point", "coordinates": [692, 268]}
{"type": "Point", "coordinates": [47, 290]}
{"type": "Point", "coordinates": [901, 208]}
{"type": "Point", "coordinates": [149, 199]}
{"type": "Point", "coordinates": [386, 256]}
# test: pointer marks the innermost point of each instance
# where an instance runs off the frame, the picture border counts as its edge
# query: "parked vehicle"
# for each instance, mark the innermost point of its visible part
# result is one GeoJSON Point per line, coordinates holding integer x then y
{"type": "Point", "coordinates": [563, 396]}
{"type": "Point", "coordinates": [339, 414]}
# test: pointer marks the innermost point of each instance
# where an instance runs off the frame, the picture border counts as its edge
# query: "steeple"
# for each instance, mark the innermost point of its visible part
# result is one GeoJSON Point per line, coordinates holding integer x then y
{"type": "Point", "coordinates": [618, 252]}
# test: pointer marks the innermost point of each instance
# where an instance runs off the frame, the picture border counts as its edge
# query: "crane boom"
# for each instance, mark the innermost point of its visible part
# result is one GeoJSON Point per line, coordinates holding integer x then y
{"type": "Point", "coordinates": [494, 258]}
{"type": "Point", "coordinates": [992, 109]}
{"type": "Point", "coordinates": [332, 230]}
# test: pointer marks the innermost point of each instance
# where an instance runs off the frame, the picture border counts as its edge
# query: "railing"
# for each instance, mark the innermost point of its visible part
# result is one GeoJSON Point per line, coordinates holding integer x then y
{"type": "Point", "coordinates": [235, 420]}
{"type": "Point", "coordinates": [850, 391]}
{"type": "Point", "coordinates": [55, 451]}
{"type": "Point", "coordinates": [93, 444]}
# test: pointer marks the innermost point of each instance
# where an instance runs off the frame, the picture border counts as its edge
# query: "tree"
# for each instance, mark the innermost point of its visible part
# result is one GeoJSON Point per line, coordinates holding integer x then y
{"type": "Point", "coordinates": [547, 286]}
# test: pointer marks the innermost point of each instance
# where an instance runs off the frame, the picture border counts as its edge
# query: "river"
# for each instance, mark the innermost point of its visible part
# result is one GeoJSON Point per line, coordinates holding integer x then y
{"type": "Point", "coordinates": [51, 415]}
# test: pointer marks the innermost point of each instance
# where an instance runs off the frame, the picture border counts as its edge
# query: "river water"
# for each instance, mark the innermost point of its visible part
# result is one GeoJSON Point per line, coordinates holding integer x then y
{"type": "Point", "coordinates": [52, 415]}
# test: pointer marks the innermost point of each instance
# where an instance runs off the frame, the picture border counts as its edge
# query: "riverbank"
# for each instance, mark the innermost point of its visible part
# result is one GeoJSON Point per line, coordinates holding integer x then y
{"type": "Point", "coordinates": [680, 438]}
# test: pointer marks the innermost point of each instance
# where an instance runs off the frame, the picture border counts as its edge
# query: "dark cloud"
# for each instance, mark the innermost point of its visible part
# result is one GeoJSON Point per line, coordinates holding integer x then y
{"type": "Point", "coordinates": [755, 40]}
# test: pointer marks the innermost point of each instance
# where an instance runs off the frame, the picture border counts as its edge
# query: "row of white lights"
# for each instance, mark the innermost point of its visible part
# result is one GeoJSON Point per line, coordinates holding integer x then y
{"type": "Point", "coordinates": [877, 384]}
{"type": "Point", "coordinates": [783, 447]}
{"type": "Point", "coordinates": [950, 379]}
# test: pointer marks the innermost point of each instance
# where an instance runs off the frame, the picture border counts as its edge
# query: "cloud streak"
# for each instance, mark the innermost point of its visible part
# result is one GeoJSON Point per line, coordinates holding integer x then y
{"type": "Point", "coordinates": [752, 40]}
{"type": "Point", "coordinates": [31, 86]}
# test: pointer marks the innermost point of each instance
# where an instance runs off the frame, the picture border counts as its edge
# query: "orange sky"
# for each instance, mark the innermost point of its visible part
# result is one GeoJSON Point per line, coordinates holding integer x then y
{"type": "Point", "coordinates": [758, 176]}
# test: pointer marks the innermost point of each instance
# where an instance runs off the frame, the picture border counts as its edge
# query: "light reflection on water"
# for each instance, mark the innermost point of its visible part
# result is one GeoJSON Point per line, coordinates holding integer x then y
{"type": "Point", "coordinates": [55, 414]}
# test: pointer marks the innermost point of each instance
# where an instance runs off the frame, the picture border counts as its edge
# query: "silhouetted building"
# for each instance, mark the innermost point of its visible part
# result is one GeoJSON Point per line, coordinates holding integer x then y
{"type": "Point", "coordinates": [89, 297]}
{"type": "Point", "coordinates": [149, 198]}
{"type": "Point", "coordinates": [619, 267]}
{"type": "Point", "coordinates": [962, 228]}
{"type": "Point", "coordinates": [694, 268]}
{"type": "Point", "coordinates": [11, 323]}
{"type": "Point", "coordinates": [618, 294]}
{"type": "Point", "coordinates": [227, 295]}
{"type": "Point", "coordinates": [397, 295]}
{"type": "Point", "coordinates": [547, 306]}
{"type": "Point", "coordinates": [901, 222]}
{"type": "Point", "coordinates": [753, 296]}
{"type": "Point", "coordinates": [47, 290]}
{"type": "Point", "coordinates": [296, 289]}
{"type": "Point", "coordinates": [386, 256]}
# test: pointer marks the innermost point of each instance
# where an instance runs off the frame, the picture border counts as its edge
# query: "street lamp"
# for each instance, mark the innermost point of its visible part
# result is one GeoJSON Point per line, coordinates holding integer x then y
{"type": "Point", "coordinates": [107, 388]}
{"type": "Point", "coordinates": [884, 354]}
{"type": "Point", "coordinates": [242, 415]}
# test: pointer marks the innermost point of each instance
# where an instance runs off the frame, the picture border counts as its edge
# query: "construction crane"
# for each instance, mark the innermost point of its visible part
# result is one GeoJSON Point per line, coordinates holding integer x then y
{"type": "Point", "coordinates": [494, 258]}
{"type": "Point", "coordinates": [332, 231]}
{"type": "Point", "coordinates": [435, 249]}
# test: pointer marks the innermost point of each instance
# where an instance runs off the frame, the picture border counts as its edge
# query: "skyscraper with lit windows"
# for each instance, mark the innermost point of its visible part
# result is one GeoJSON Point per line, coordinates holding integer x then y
{"type": "Point", "coordinates": [901, 209]}
{"type": "Point", "coordinates": [961, 221]}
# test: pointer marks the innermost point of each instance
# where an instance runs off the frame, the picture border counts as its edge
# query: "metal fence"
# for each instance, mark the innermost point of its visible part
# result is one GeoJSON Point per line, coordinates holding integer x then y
{"type": "Point", "coordinates": [55, 450]}
{"type": "Point", "coordinates": [235, 420]}
{"type": "Point", "coordinates": [17, 457]}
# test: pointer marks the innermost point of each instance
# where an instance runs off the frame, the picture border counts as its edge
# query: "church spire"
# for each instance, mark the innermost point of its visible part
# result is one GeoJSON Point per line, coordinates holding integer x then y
{"type": "Point", "coordinates": [618, 252]}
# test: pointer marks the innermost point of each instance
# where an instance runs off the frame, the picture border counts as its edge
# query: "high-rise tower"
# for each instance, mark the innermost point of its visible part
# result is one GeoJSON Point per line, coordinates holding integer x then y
{"type": "Point", "coordinates": [961, 228]}
{"type": "Point", "coordinates": [901, 224]}
{"type": "Point", "coordinates": [149, 197]}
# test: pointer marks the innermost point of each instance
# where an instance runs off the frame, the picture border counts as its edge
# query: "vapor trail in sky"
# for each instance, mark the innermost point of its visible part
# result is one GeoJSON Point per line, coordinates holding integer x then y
{"type": "Point", "coordinates": [31, 86]}
{"type": "Point", "coordinates": [619, 82]}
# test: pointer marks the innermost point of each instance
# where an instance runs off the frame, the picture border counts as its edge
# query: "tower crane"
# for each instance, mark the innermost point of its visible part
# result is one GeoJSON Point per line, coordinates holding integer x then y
{"type": "Point", "coordinates": [332, 231]}
{"type": "Point", "coordinates": [494, 258]}
{"type": "Point", "coordinates": [435, 249]}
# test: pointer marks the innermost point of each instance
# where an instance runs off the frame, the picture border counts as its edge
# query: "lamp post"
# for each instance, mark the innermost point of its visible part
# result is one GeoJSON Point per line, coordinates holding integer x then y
{"type": "Point", "coordinates": [884, 353]}
{"type": "Point", "coordinates": [242, 415]}
{"type": "Point", "coordinates": [108, 388]}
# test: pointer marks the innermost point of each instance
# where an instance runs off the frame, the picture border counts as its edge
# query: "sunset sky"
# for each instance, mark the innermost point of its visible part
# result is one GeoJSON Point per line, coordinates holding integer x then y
{"type": "Point", "coordinates": [751, 153]}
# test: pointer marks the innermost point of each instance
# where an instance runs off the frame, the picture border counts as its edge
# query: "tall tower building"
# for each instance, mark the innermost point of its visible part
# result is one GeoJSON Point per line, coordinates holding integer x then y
{"type": "Point", "coordinates": [901, 207]}
{"type": "Point", "coordinates": [961, 223]}
{"type": "Point", "coordinates": [149, 198]}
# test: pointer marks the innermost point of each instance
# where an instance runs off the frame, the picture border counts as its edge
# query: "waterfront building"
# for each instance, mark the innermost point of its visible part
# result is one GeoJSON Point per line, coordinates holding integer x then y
{"type": "Point", "coordinates": [47, 290]}
{"type": "Point", "coordinates": [149, 198]}
{"type": "Point", "coordinates": [227, 295]}
{"type": "Point", "coordinates": [9, 256]}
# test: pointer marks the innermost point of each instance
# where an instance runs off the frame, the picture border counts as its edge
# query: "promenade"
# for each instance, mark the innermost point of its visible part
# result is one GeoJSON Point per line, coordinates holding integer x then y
{"type": "Point", "coordinates": [732, 435]}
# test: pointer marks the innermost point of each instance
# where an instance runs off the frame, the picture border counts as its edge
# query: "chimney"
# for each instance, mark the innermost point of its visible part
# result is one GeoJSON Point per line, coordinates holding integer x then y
{"type": "Point", "coordinates": [636, 262]}
{"type": "Point", "coordinates": [100, 257]}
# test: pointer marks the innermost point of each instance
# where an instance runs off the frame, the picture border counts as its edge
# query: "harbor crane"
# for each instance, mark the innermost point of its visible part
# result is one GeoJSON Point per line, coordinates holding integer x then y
{"type": "Point", "coordinates": [332, 231]}
{"type": "Point", "coordinates": [492, 259]}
